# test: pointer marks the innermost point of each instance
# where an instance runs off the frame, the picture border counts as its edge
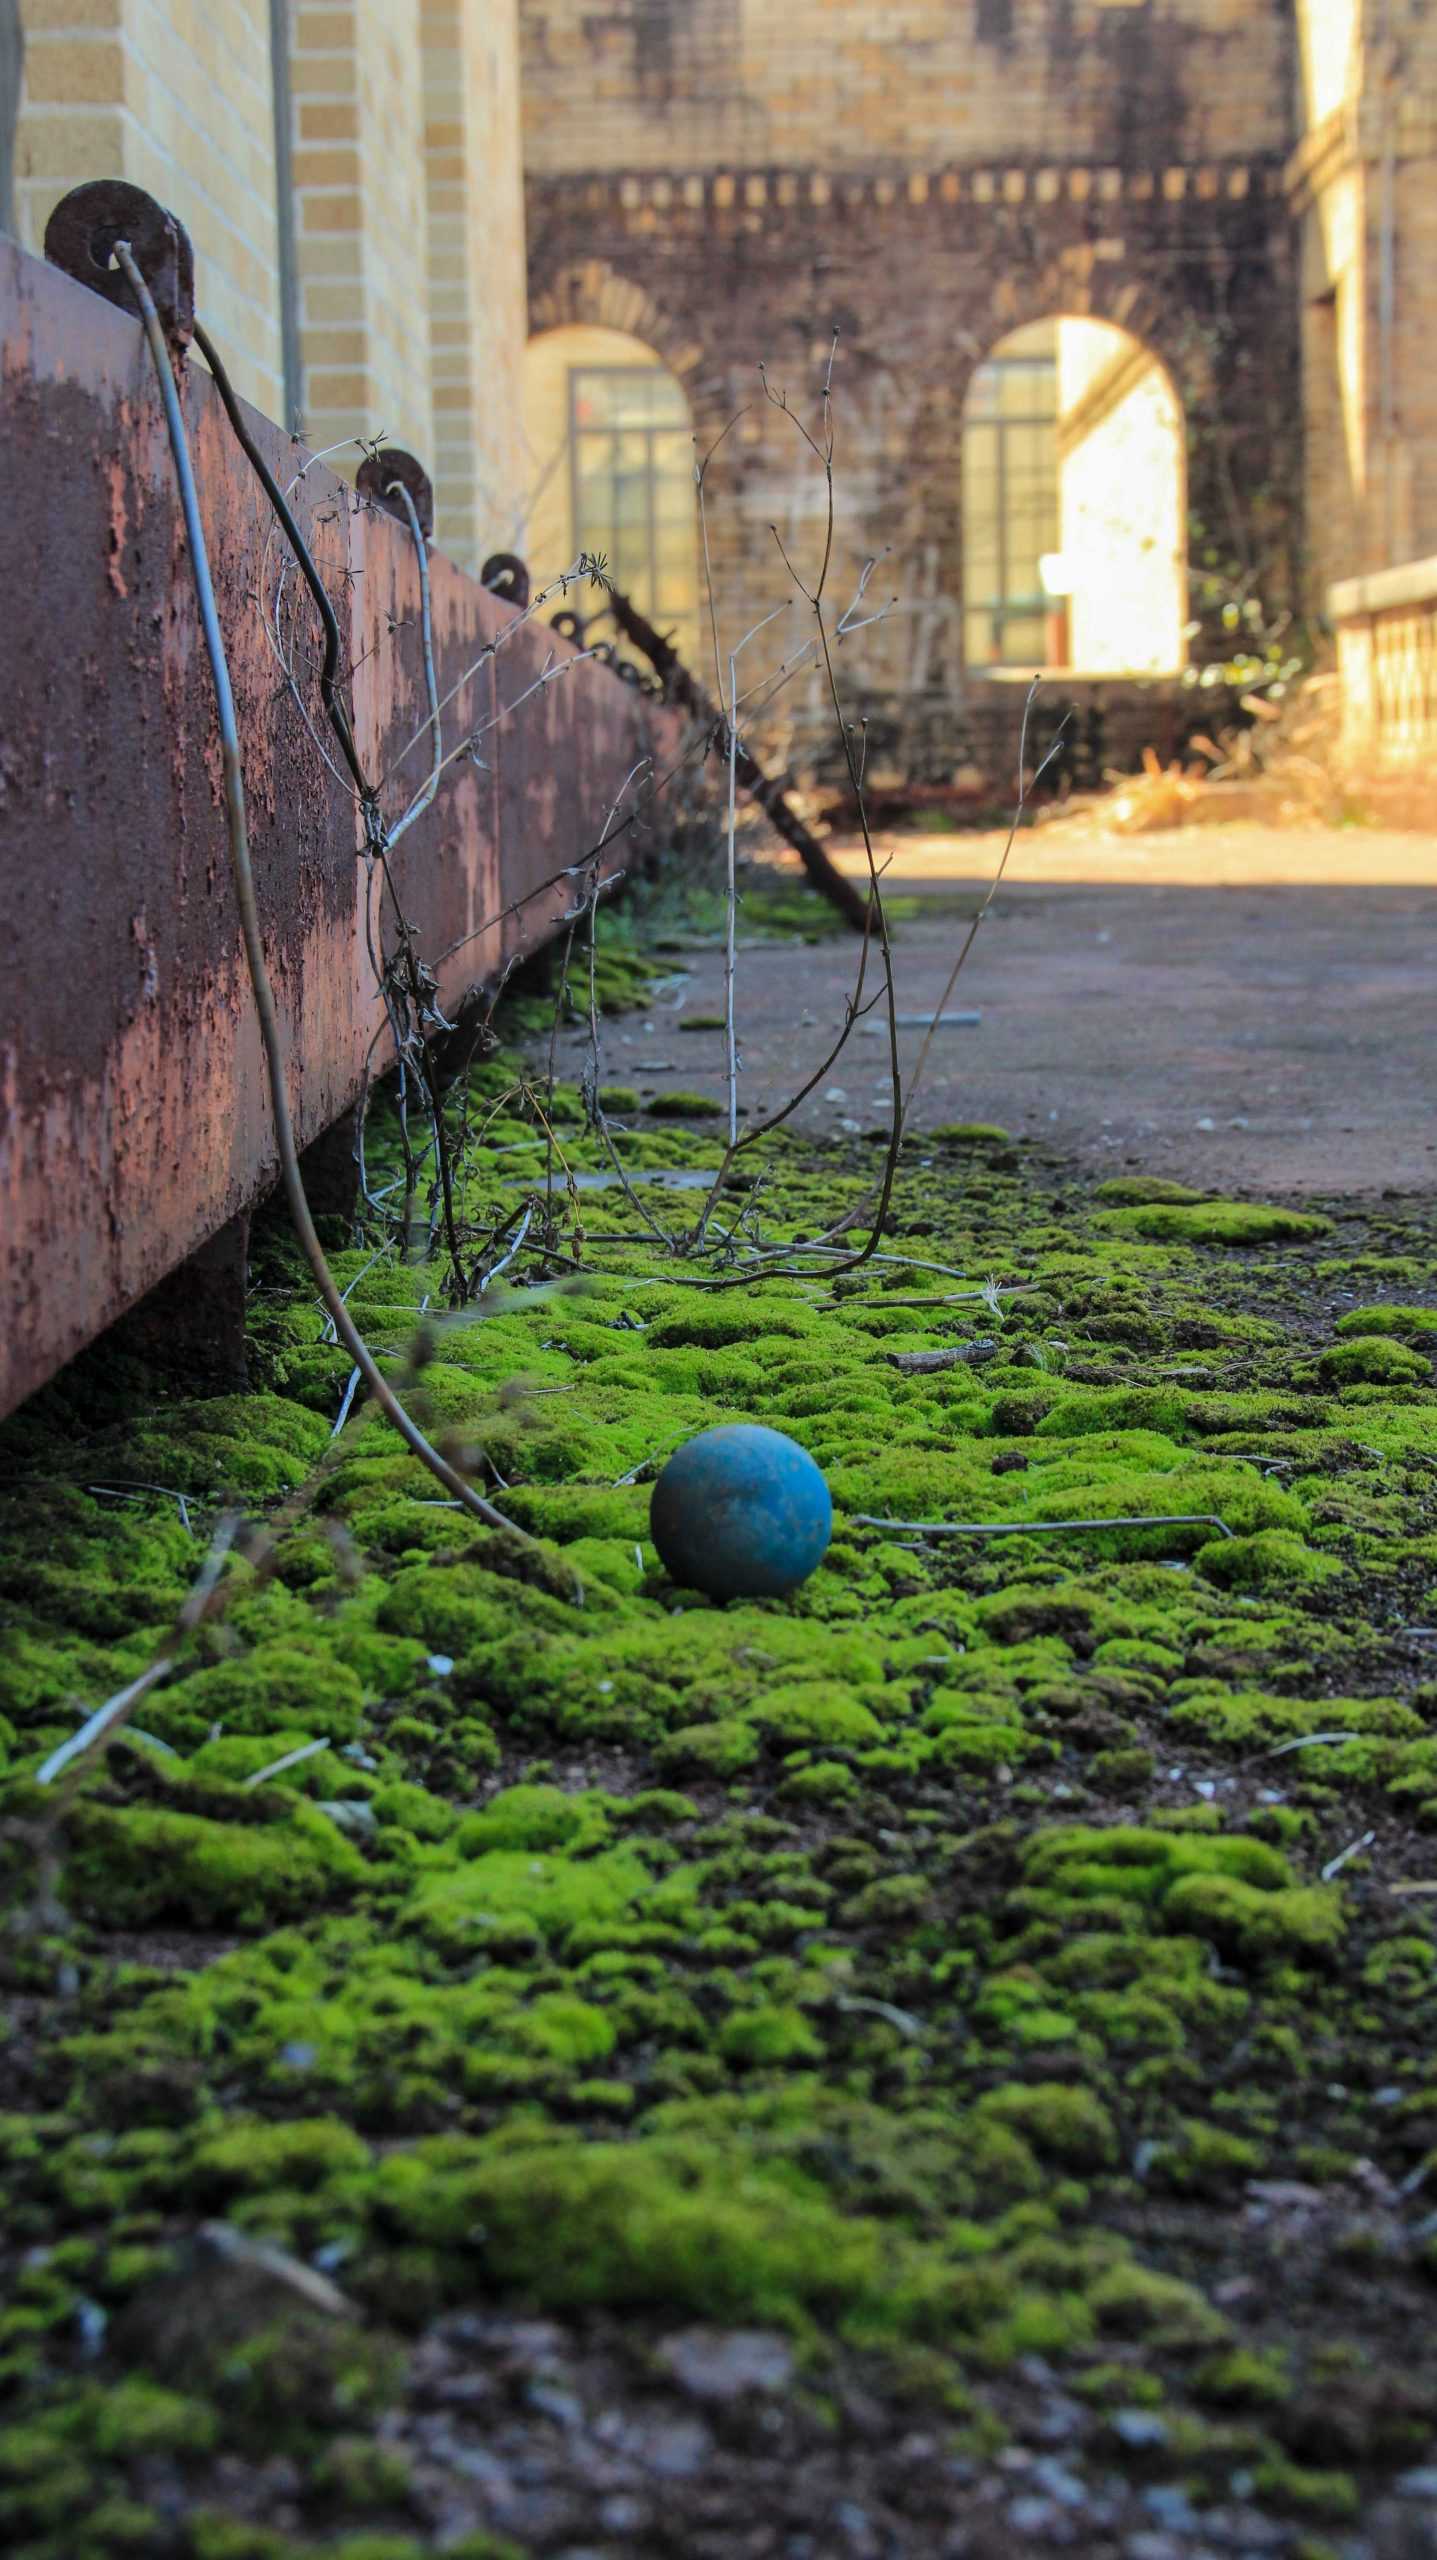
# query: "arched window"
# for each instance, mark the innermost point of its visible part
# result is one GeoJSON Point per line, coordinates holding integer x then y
{"type": "Point", "coordinates": [611, 451]}
{"type": "Point", "coordinates": [1074, 503]}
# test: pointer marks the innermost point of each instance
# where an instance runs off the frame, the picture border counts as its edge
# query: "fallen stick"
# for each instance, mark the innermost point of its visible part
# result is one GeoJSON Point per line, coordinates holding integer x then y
{"type": "Point", "coordinates": [922, 1364]}
{"type": "Point", "coordinates": [684, 688]}
{"type": "Point", "coordinates": [1043, 1528]}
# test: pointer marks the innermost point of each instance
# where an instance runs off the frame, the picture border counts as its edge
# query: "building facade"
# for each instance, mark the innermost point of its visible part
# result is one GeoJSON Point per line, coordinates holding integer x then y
{"type": "Point", "coordinates": [1131, 305]}
{"type": "Point", "coordinates": [349, 172]}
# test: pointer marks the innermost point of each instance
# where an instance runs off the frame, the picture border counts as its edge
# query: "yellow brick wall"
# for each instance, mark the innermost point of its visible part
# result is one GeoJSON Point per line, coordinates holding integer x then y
{"type": "Point", "coordinates": [360, 222]}
{"type": "Point", "coordinates": [1362, 185]}
{"type": "Point", "coordinates": [477, 293]}
{"type": "Point", "coordinates": [407, 205]}
{"type": "Point", "coordinates": [176, 96]}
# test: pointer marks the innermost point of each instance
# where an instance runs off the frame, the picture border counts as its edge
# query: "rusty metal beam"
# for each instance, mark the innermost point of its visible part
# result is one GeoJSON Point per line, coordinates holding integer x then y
{"type": "Point", "coordinates": [134, 1118]}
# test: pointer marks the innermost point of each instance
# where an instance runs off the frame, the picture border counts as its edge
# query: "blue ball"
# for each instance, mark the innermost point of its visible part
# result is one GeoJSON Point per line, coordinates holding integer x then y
{"type": "Point", "coordinates": [741, 1513]}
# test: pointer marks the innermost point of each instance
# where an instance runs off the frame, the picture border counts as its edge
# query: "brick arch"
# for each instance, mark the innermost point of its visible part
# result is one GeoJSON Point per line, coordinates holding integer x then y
{"type": "Point", "coordinates": [1138, 315]}
{"type": "Point", "coordinates": [596, 295]}
{"type": "Point", "coordinates": [1110, 294]}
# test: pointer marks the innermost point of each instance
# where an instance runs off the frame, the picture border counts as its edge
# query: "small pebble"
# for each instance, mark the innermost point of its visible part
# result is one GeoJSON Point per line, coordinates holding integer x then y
{"type": "Point", "coordinates": [1140, 2429]}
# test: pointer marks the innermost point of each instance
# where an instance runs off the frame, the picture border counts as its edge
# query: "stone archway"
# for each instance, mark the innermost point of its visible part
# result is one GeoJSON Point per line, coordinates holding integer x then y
{"type": "Point", "coordinates": [595, 295]}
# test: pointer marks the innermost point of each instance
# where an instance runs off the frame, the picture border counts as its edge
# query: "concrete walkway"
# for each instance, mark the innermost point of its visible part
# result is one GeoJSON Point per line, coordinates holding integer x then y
{"type": "Point", "coordinates": [1232, 1006]}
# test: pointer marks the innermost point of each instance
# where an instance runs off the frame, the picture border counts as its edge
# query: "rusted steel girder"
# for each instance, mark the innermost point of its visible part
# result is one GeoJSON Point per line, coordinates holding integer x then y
{"type": "Point", "coordinates": [134, 1116]}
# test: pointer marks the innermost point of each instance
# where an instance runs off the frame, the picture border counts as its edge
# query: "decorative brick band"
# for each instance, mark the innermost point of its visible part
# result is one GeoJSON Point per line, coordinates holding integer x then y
{"type": "Point", "coordinates": [1009, 183]}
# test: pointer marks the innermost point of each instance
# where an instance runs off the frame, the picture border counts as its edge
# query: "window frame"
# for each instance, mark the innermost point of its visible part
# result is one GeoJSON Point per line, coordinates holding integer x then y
{"type": "Point", "coordinates": [1006, 606]}
{"type": "Point", "coordinates": [649, 432]}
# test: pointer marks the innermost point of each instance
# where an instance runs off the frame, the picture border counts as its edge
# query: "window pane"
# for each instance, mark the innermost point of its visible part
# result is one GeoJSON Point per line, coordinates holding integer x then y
{"type": "Point", "coordinates": [1010, 499]}
{"type": "Point", "coordinates": [632, 483]}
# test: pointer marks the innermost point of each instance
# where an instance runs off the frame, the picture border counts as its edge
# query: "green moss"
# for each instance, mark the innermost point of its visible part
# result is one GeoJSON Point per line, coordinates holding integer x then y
{"type": "Point", "coordinates": [1269, 1560]}
{"type": "Point", "coordinates": [275, 1687]}
{"type": "Point", "coordinates": [1374, 1360]}
{"type": "Point", "coordinates": [881, 2031]}
{"type": "Point", "coordinates": [533, 1817]}
{"type": "Point", "coordinates": [769, 2035]}
{"type": "Point", "coordinates": [1302, 2491]}
{"type": "Point", "coordinates": [1062, 2123]}
{"type": "Point", "coordinates": [1245, 2378]}
{"type": "Point", "coordinates": [137, 1863]}
{"type": "Point", "coordinates": [1235, 1222]}
{"type": "Point", "coordinates": [1138, 1190]}
{"type": "Point", "coordinates": [1205, 2159]}
{"type": "Point", "coordinates": [820, 1782]}
{"type": "Point", "coordinates": [723, 1748]}
{"type": "Point", "coordinates": [676, 2223]}
{"type": "Point", "coordinates": [1389, 1319]}
{"type": "Point", "coordinates": [509, 1898]}
{"type": "Point", "coordinates": [1132, 2301]}
{"type": "Point", "coordinates": [1299, 1925]}
{"type": "Point", "coordinates": [676, 1105]}
{"type": "Point", "coordinates": [811, 1711]}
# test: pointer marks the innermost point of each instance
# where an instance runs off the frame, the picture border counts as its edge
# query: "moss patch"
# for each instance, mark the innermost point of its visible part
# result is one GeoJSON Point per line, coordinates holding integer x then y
{"type": "Point", "coordinates": [954, 1964]}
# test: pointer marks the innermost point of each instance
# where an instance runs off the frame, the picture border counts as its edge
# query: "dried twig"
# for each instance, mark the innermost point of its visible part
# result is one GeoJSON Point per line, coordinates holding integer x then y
{"type": "Point", "coordinates": [923, 1364]}
{"type": "Point", "coordinates": [1303, 1742]}
{"type": "Point", "coordinates": [1335, 1865]}
{"type": "Point", "coordinates": [1043, 1528]}
{"type": "Point", "coordinates": [98, 1731]}
{"type": "Point", "coordinates": [289, 1760]}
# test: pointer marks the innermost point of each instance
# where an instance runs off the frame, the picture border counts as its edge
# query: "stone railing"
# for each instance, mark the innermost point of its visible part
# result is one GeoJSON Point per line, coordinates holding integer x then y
{"type": "Point", "coordinates": [1386, 627]}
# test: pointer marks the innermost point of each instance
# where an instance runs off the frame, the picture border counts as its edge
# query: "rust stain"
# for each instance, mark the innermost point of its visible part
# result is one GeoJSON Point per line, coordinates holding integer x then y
{"type": "Point", "coordinates": [136, 1123]}
{"type": "Point", "coordinates": [114, 471]}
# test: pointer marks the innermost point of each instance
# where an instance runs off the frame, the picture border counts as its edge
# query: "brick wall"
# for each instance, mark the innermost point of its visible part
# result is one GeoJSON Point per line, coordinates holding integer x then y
{"type": "Point", "coordinates": [360, 220]}
{"type": "Point", "coordinates": [475, 212]}
{"type": "Point", "coordinates": [730, 179]}
{"type": "Point", "coordinates": [655, 84]}
{"type": "Point", "coordinates": [1362, 181]}
{"type": "Point", "coordinates": [176, 96]}
{"type": "Point", "coordinates": [407, 206]}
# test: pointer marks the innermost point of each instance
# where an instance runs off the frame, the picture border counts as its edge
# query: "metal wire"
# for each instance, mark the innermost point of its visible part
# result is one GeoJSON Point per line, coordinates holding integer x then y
{"type": "Point", "coordinates": [243, 874]}
{"type": "Point", "coordinates": [338, 716]}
